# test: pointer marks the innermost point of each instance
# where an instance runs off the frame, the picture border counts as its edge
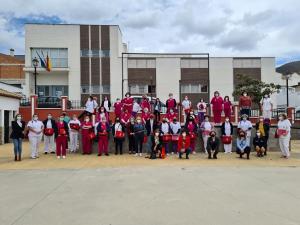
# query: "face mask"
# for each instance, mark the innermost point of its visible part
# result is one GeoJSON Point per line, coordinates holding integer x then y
{"type": "Point", "coordinates": [245, 95]}
{"type": "Point", "coordinates": [102, 110]}
{"type": "Point", "coordinates": [61, 119]}
{"type": "Point", "coordinates": [174, 121]}
{"type": "Point", "coordinates": [242, 135]}
{"type": "Point", "coordinates": [74, 118]}
{"type": "Point", "coordinates": [49, 117]}
{"type": "Point", "coordinates": [206, 119]}
{"type": "Point", "coordinates": [19, 117]}
{"type": "Point", "coordinates": [171, 96]}
{"type": "Point", "coordinates": [127, 96]}
{"type": "Point", "coordinates": [87, 120]}
{"type": "Point", "coordinates": [227, 120]}
{"type": "Point", "coordinates": [280, 118]}
{"type": "Point", "coordinates": [164, 121]}
{"type": "Point", "coordinates": [117, 120]}
{"type": "Point", "coordinates": [212, 135]}
{"type": "Point", "coordinates": [156, 134]}
{"type": "Point", "coordinates": [261, 120]}
{"type": "Point", "coordinates": [258, 134]}
{"type": "Point", "coordinates": [184, 134]}
{"type": "Point", "coordinates": [244, 118]}
{"type": "Point", "coordinates": [266, 96]}
{"type": "Point", "coordinates": [35, 118]}
{"type": "Point", "coordinates": [201, 100]}
{"type": "Point", "coordinates": [138, 121]}
{"type": "Point", "coordinates": [186, 98]}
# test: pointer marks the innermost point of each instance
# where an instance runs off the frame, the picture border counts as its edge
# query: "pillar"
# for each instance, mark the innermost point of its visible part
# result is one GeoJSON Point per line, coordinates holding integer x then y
{"type": "Point", "coordinates": [64, 103]}
{"type": "Point", "coordinates": [33, 100]}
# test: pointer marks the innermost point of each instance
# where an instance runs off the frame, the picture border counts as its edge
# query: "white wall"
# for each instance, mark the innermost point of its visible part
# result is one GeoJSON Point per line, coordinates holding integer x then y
{"type": "Point", "coordinates": [221, 76]}
{"type": "Point", "coordinates": [56, 78]}
{"type": "Point", "coordinates": [56, 36]}
{"type": "Point", "coordinates": [168, 74]}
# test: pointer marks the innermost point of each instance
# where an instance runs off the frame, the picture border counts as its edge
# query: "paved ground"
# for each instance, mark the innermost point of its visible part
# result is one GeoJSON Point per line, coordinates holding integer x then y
{"type": "Point", "coordinates": [86, 190]}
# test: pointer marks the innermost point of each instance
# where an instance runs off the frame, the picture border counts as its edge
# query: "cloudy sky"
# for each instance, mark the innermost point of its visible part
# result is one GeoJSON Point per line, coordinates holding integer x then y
{"type": "Point", "coordinates": [220, 27]}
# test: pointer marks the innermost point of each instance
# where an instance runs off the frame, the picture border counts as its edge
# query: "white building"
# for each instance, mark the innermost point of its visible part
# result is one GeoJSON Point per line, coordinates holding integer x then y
{"type": "Point", "coordinates": [92, 59]}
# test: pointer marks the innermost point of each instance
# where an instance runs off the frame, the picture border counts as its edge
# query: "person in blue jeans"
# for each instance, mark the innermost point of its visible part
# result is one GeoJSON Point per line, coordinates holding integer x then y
{"type": "Point", "coordinates": [17, 134]}
{"type": "Point", "coordinates": [139, 133]}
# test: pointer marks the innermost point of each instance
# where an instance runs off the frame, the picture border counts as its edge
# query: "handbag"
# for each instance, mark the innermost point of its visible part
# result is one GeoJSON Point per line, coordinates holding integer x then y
{"type": "Point", "coordinates": [48, 131]}
{"type": "Point", "coordinates": [205, 132]}
{"type": "Point", "coordinates": [62, 131]}
{"type": "Point", "coordinates": [163, 153]}
{"type": "Point", "coordinates": [226, 139]}
{"type": "Point", "coordinates": [281, 132]}
{"type": "Point", "coordinates": [145, 139]}
{"type": "Point", "coordinates": [74, 126]}
{"type": "Point", "coordinates": [120, 135]}
{"type": "Point", "coordinates": [167, 137]}
{"type": "Point", "coordinates": [92, 135]}
{"type": "Point", "coordinates": [175, 137]}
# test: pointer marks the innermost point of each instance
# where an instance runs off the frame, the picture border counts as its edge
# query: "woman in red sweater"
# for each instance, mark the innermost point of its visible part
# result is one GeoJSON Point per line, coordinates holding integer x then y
{"type": "Point", "coordinates": [184, 145]}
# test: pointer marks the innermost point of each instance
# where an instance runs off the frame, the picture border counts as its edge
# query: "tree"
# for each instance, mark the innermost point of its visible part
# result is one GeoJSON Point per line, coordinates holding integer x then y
{"type": "Point", "coordinates": [256, 89]}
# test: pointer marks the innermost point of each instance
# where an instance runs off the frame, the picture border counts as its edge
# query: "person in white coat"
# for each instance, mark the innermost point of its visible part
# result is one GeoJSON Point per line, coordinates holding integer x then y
{"type": "Point", "coordinates": [246, 126]}
{"type": "Point", "coordinates": [267, 106]}
{"type": "Point", "coordinates": [74, 126]}
{"type": "Point", "coordinates": [284, 134]}
{"type": "Point", "coordinates": [206, 127]}
{"type": "Point", "coordinates": [35, 134]}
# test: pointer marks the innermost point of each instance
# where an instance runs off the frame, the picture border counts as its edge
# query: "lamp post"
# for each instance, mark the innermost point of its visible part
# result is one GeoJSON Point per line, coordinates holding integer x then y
{"type": "Point", "coordinates": [35, 63]}
{"type": "Point", "coordinates": [287, 77]}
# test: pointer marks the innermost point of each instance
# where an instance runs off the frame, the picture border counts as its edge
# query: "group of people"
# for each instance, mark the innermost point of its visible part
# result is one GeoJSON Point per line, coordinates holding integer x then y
{"type": "Point", "coordinates": [161, 137]}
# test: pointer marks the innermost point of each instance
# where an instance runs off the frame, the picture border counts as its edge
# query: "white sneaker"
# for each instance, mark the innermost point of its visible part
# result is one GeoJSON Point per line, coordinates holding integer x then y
{"type": "Point", "coordinates": [194, 152]}
{"type": "Point", "coordinates": [141, 154]}
{"type": "Point", "coordinates": [58, 157]}
{"type": "Point", "coordinates": [135, 154]}
{"type": "Point", "coordinates": [33, 157]}
{"type": "Point", "coordinates": [64, 156]}
{"type": "Point", "coordinates": [172, 153]}
{"type": "Point", "coordinates": [168, 154]}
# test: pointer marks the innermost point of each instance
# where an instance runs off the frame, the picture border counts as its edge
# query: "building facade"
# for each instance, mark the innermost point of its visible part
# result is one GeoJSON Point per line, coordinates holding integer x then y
{"type": "Point", "coordinates": [93, 60]}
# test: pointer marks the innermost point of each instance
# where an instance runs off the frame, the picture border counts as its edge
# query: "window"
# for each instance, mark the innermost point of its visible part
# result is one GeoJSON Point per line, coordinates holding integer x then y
{"type": "Point", "coordinates": [138, 89]}
{"type": "Point", "coordinates": [193, 88]}
{"type": "Point", "coordinates": [141, 63]}
{"type": "Point", "coordinates": [52, 90]}
{"type": "Point", "coordinates": [95, 89]}
{"type": "Point", "coordinates": [94, 53]}
{"type": "Point", "coordinates": [58, 56]}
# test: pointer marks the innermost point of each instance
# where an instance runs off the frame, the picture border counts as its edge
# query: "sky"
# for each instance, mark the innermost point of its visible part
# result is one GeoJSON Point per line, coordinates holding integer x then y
{"type": "Point", "coordinates": [220, 27]}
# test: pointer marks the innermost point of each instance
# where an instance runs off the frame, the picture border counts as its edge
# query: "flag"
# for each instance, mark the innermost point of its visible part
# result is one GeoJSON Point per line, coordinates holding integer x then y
{"type": "Point", "coordinates": [48, 63]}
{"type": "Point", "coordinates": [43, 64]}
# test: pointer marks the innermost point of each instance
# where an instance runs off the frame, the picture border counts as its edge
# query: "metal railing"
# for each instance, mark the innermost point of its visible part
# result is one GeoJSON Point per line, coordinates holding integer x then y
{"type": "Point", "coordinates": [25, 102]}
{"type": "Point", "coordinates": [76, 104]}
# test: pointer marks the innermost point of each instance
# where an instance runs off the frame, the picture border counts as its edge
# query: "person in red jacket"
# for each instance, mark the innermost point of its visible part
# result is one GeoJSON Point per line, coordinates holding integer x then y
{"type": "Point", "coordinates": [245, 103]}
{"type": "Point", "coordinates": [118, 108]}
{"type": "Point", "coordinates": [128, 103]}
{"type": "Point", "coordinates": [184, 144]}
{"type": "Point", "coordinates": [171, 115]}
{"type": "Point", "coordinates": [217, 107]}
{"type": "Point", "coordinates": [171, 103]}
{"type": "Point", "coordinates": [145, 115]}
{"type": "Point", "coordinates": [125, 117]}
{"type": "Point", "coordinates": [227, 107]}
{"type": "Point", "coordinates": [87, 128]}
{"type": "Point", "coordinates": [145, 103]}
{"type": "Point", "coordinates": [62, 137]}
{"type": "Point", "coordinates": [103, 130]}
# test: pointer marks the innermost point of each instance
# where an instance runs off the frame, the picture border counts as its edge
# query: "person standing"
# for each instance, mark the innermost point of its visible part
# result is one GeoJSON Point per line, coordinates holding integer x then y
{"type": "Point", "coordinates": [267, 107]}
{"type": "Point", "coordinates": [118, 131]}
{"type": "Point", "coordinates": [62, 138]}
{"type": "Point", "coordinates": [175, 129]}
{"type": "Point", "coordinates": [17, 134]}
{"type": "Point", "coordinates": [145, 115]}
{"type": "Point", "coordinates": [171, 115]}
{"type": "Point", "coordinates": [128, 103]}
{"type": "Point", "coordinates": [35, 134]}
{"type": "Point", "coordinates": [184, 143]}
{"type": "Point", "coordinates": [74, 126]}
{"type": "Point", "coordinates": [125, 117]}
{"type": "Point", "coordinates": [242, 145]}
{"type": "Point", "coordinates": [186, 107]}
{"type": "Point", "coordinates": [201, 106]}
{"type": "Point", "coordinates": [263, 128]}
{"type": "Point", "coordinates": [227, 106]}
{"type": "Point", "coordinates": [102, 113]}
{"type": "Point", "coordinates": [118, 108]}
{"type": "Point", "coordinates": [103, 130]}
{"type": "Point", "coordinates": [227, 132]}
{"type": "Point", "coordinates": [245, 104]}
{"type": "Point", "coordinates": [139, 133]}
{"type": "Point", "coordinates": [87, 128]}
{"type": "Point", "coordinates": [106, 104]}
{"type": "Point", "coordinates": [151, 126]}
{"type": "Point", "coordinates": [246, 126]}
{"type": "Point", "coordinates": [50, 132]}
{"type": "Point", "coordinates": [165, 131]}
{"type": "Point", "coordinates": [145, 103]}
{"type": "Point", "coordinates": [130, 133]}
{"type": "Point", "coordinates": [191, 128]}
{"type": "Point", "coordinates": [284, 134]}
{"type": "Point", "coordinates": [90, 107]}
{"type": "Point", "coordinates": [171, 103]}
{"type": "Point", "coordinates": [213, 144]}
{"type": "Point", "coordinates": [206, 127]}
{"type": "Point", "coordinates": [136, 108]}
{"type": "Point", "coordinates": [217, 107]}
{"type": "Point", "coordinates": [157, 109]}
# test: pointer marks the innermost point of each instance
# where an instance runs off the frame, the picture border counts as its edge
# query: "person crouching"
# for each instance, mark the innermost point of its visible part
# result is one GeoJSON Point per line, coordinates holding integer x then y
{"type": "Point", "coordinates": [103, 129]}
{"type": "Point", "coordinates": [62, 138]}
{"type": "Point", "coordinates": [213, 144]}
{"type": "Point", "coordinates": [184, 145]}
{"type": "Point", "coordinates": [156, 145]}
{"type": "Point", "coordinates": [259, 144]}
{"type": "Point", "coordinates": [242, 145]}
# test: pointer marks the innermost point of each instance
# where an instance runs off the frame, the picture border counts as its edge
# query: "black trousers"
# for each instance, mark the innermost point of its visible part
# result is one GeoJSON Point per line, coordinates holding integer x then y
{"type": "Point", "coordinates": [139, 139]}
{"type": "Point", "coordinates": [187, 152]}
{"type": "Point", "coordinates": [246, 111]}
{"type": "Point", "coordinates": [131, 143]}
{"type": "Point", "coordinates": [246, 151]}
{"type": "Point", "coordinates": [209, 151]}
{"type": "Point", "coordinates": [119, 145]}
{"type": "Point", "coordinates": [157, 115]}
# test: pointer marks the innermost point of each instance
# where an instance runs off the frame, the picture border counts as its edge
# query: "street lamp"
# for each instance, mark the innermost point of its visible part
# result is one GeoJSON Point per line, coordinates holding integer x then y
{"type": "Point", "coordinates": [287, 77]}
{"type": "Point", "coordinates": [35, 63]}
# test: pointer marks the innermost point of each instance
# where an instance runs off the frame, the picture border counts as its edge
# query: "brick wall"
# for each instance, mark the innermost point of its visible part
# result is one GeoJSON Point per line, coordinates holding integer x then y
{"type": "Point", "coordinates": [12, 71]}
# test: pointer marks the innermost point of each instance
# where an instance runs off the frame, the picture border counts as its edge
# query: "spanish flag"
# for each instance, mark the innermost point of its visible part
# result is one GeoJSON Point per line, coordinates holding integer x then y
{"type": "Point", "coordinates": [48, 63]}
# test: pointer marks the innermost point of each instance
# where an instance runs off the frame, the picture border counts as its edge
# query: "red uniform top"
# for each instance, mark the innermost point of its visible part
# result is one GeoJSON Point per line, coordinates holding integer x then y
{"type": "Point", "coordinates": [171, 104]}
{"type": "Point", "coordinates": [191, 127]}
{"type": "Point", "coordinates": [171, 116]}
{"type": "Point", "coordinates": [145, 104]}
{"type": "Point", "coordinates": [61, 125]}
{"type": "Point", "coordinates": [127, 103]}
{"type": "Point", "coordinates": [227, 105]}
{"type": "Point", "coordinates": [125, 117]}
{"type": "Point", "coordinates": [184, 143]}
{"type": "Point", "coordinates": [100, 115]}
{"type": "Point", "coordinates": [145, 117]}
{"type": "Point", "coordinates": [217, 103]}
{"type": "Point", "coordinates": [245, 102]}
{"type": "Point", "coordinates": [118, 108]}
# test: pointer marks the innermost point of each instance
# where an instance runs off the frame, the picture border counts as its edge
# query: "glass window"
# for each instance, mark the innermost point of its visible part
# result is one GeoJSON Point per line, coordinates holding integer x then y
{"type": "Point", "coordinates": [58, 56]}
